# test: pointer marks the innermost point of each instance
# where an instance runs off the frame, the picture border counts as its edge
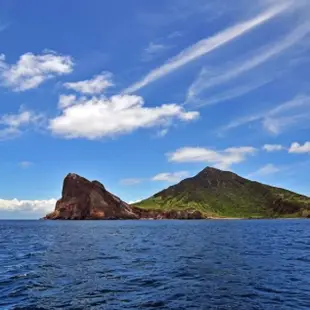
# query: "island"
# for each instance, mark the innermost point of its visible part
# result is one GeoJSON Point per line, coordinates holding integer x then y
{"type": "Point", "coordinates": [211, 194]}
{"type": "Point", "coordinates": [89, 200]}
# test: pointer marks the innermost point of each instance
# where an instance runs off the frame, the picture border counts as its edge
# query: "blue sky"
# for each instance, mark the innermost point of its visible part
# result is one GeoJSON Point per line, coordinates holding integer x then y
{"type": "Point", "coordinates": [141, 94]}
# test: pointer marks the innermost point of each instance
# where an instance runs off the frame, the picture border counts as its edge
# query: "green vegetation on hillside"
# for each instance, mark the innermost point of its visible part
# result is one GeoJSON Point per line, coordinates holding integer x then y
{"type": "Point", "coordinates": [219, 193]}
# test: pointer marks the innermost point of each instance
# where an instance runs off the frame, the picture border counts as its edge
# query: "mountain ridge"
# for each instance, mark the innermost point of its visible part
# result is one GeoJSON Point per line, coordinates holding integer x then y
{"type": "Point", "coordinates": [211, 193]}
{"type": "Point", "coordinates": [218, 193]}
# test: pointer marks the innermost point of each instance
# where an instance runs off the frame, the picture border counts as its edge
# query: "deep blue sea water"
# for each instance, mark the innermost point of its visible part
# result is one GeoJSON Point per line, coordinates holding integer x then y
{"type": "Point", "coordinates": [222, 264]}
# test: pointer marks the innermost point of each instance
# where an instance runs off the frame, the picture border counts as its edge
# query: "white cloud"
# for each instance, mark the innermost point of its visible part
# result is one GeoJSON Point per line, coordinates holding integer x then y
{"type": "Point", "coordinates": [32, 70]}
{"type": "Point", "coordinates": [172, 177]}
{"type": "Point", "coordinates": [9, 133]}
{"type": "Point", "coordinates": [295, 112]}
{"type": "Point", "coordinates": [131, 181]}
{"type": "Point", "coordinates": [266, 170]}
{"type": "Point", "coordinates": [207, 45]}
{"type": "Point", "coordinates": [96, 85]}
{"type": "Point", "coordinates": [16, 120]}
{"type": "Point", "coordinates": [25, 164]}
{"type": "Point", "coordinates": [226, 95]}
{"type": "Point", "coordinates": [208, 79]}
{"type": "Point", "coordinates": [99, 117]}
{"type": "Point", "coordinates": [273, 147]}
{"type": "Point", "coordinates": [2, 62]}
{"type": "Point", "coordinates": [27, 208]}
{"type": "Point", "coordinates": [299, 148]}
{"type": "Point", "coordinates": [220, 159]}
{"type": "Point", "coordinates": [13, 123]}
{"type": "Point", "coordinates": [280, 124]}
{"type": "Point", "coordinates": [66, 101]}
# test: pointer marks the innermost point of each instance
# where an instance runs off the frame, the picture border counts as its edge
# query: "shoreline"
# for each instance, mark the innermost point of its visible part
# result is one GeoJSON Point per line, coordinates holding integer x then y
{"type": "Point", "coordinates": [259, 218]}
{"type": "Point", "coordinates": [178, 219]}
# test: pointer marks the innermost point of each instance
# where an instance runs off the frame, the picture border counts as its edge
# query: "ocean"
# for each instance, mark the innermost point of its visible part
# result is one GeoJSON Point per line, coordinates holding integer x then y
{"type": "Point", "coordinates": [218, 264]}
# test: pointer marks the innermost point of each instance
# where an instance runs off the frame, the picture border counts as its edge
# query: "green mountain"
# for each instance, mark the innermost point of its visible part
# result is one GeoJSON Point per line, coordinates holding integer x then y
{"type": "Point", "coordinates": [218, 193]}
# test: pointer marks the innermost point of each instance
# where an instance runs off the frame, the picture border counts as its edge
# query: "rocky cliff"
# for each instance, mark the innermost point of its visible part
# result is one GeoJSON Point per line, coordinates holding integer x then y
{"type": "Point", "coordinates": [89, 200]}
{"type": "Point", "coordinates": [82, 199]}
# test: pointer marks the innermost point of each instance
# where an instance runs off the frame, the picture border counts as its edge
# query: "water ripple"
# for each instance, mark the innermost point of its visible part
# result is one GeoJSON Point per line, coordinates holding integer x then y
{"type": "Point", "coordinates": [237, 265]}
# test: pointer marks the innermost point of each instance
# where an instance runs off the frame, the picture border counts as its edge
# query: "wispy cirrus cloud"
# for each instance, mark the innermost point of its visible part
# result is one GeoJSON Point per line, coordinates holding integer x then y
{"type": "Point", "coordinates": [229, 94]}
{"type": "Point", "coordinates": [209, 44]}
{"type": "Point", "coordinates": [292, 113]}
{"type": "Point", "coordinates": [268, 169]}
{"type": "Point", "coordinates": [211, 78]}
{"type": "Point", "coordinates": [180, 11]}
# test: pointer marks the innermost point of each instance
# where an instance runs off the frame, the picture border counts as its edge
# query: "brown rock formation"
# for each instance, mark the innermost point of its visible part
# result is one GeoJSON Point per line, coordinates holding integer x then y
{"type": "Point", "coordinates": [85, 200]}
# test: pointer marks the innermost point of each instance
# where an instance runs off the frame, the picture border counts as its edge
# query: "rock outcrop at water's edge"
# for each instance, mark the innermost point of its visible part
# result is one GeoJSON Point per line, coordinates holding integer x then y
{"type": "Point", "coordinates": [89, 200]}
{"type": "Point", "coordinates": [82, 199]}
{"type": "Point", "coordinates": [172, 214]}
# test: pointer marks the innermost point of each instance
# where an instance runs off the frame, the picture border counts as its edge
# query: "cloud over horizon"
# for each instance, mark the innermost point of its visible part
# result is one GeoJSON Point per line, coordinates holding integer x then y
{"type": "Point", "coordinates": [29, 208]}
{"type": "Point", "coordinates": [207, 45]}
